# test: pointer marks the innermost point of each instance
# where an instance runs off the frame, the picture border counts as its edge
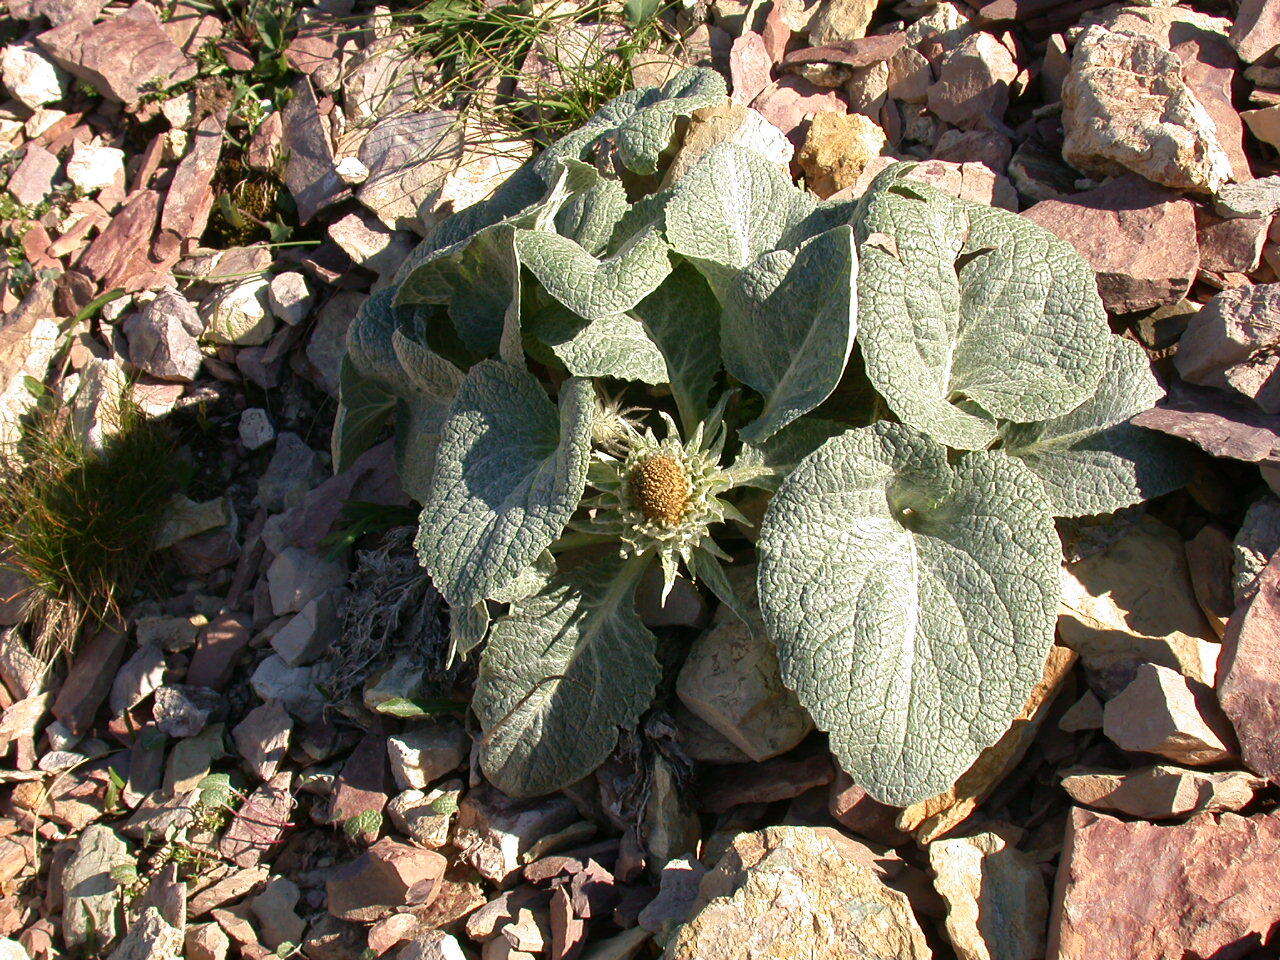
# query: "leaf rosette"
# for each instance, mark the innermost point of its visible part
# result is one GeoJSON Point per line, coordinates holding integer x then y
{"type": "Point", "coordinates": [646, 357]}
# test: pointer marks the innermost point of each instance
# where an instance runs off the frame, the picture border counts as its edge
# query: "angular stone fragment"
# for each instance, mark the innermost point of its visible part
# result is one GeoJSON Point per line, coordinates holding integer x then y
{"type": "Point", "coordinates": [275, 909]}
{"type": "Point", "coordinates": [150, 937]}
{"type": "Point", "coordinates": [730, 679]}
{"type": "Point", "coordinates": [1126, 106]}
{"type": "Point", "coordinates": [1249, 681]}
{"type": "Point", "coordinates": [1161, 792]}
{"type": "Point", "coordinates": [121, 55]}
{"type": "Point", "coordinates": [841, 21]}
{"type": "Point", "coordinates": [386, 876]}
{"type": "Point", "coordinates": [31, 78]}
{"type": "Point", "coordinates": [972, 90]}
{"type": "Point", "coordinates": [262, 738]}
{"type": "Point", "coordinates": [1140, 239]}
{"type": "Point", "coordinates": [426, 818]}
{"type": "Point", "coordinates": [835, 905]}
{"type": "Point", "coordinates": [309, 168]}
{"type": "Point", "coordinates": [1206, 890]}
{"type": "Point", "coordinates": [750, 66]}
{"type": "Point", "coordinates": [360, 791]}
{"type": "Point", "coordinates": [408, 157]}
{"type": "Point", "coordinates": [260, 822]}
{"type": "Point", "coordinates": [837, 149]}
{"type": "Point", "coordinates": [163, 336]}
{"type": "Point", "coordinates": [857, 810]}
{"type": "Point", "coordinates": [32, 180]}
{"type": "Point", "coordinates": [1231, 344]}
{"type": "Point", "coordinates": [237, 314]}
{"type": "Point", "coordinates": [997, 908]}
{"type": "Point", "coordinates": [1132, 603]}
{"type": "Point", "coordinates": [90, 902]}
{"type": "Point", "coordinates": [422, 755]}
{"type": "Point", "coordinates": [493, 831]}
{"type": "Point", "coordinates": [1256, 28]}
{"type": "Point", "coordinates": [296, 577]}
{"type": "Point", "coordinates": [1164, 713]}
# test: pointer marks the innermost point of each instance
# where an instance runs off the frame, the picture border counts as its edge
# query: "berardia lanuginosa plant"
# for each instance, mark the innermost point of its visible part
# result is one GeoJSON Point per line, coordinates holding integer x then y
{"type": "Point", "coordinates": [607, 367]}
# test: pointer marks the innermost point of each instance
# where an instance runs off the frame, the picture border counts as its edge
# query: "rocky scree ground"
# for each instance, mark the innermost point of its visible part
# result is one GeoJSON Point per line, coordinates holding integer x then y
{"type": "Point", "coordinates": [263, 753]}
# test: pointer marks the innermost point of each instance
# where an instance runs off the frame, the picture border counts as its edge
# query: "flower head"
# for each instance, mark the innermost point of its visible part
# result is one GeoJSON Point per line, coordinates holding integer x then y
{"type": "Point", "coordinates": [661, 495]}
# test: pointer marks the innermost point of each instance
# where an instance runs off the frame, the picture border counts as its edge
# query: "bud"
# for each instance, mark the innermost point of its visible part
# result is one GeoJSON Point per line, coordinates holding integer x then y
{"type": "Point", "coordinates": [660, 489]}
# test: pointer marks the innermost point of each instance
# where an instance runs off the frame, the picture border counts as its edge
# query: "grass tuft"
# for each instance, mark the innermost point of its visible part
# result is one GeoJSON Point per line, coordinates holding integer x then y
{"type": "Point", "coordinates": [79, 523]}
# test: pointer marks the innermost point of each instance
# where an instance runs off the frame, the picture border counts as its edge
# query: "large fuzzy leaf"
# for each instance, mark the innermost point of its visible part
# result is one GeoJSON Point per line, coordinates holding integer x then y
{"type": "Point", "coordinates": [637, 127]}
{"type": "Point", "coordinates": [478, 279]}
{"type": "Point", "coordinates": [969, 314]}
{"type": "Point", "coordinates": [561, 672]}
{"type": "Point", "coordinates": [788, 326]}
{"type": "Point", "coordinates": [683, 318]}
{"type": "Point", "coordinates": [369, 340]}
{"type": "Point", "coordinates": [365, 409]}
{"type": "Point", "coordinates": [1093, 460]}
{"type": "Point", "coordinates": [733, 205]}
{"type": "Point", "coordinates": [617, 346]}
{"type": "Point", "coordinates": [591, 286]}
{"type": "Point", "coordinates": [509, 474]}
{"type": "Point", "coordinates": [912, 601]}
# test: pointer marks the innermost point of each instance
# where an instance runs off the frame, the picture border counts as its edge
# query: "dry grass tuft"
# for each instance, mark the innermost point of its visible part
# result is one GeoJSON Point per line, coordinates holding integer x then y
{"type": "Point", "coordinates": [79, 523]}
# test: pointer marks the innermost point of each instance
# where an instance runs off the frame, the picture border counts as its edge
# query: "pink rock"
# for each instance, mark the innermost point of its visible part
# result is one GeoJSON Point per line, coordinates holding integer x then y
{"type": "Point", "coordinates": [262, 738]}
{"type": "Point", "coordinates": [385, 877]}
{"type": "Point", "coordinates": [1217, 424]}
{"type": "Point", "coordinates": [90, 679]}
{"type": "Point", "coordinates": [120, 255]}
{"type": "Point", "coordinates": [190, 196]}
{"type": "Point", "coordinates": [217, 650]}
{"type": "Point", "coordinates": [1249, 675]}
{"type": "Point", "coordinates": [260, 823]}
{"type": "Point", "coordinates": [792, 100]}
{"type": "Point", "coordinates": [1231, 344]}
{"type": "Point", "coordinates": [309, 172]}
{"type": "Point", "coordinates": [972, 90]}
{"type": "Point", "coordinates": [1233, 245]}
{"type": "Point", "coordinates": [32, 180]}
{"type": "Point", "coordinates": [361, 787]}
{"type": "Point", "coordinates": [1141, 239]}
{"type": "Point", "coordinates": [749, 66]}
{"type": "Point", "coordinates": [120, 55]}
{"type": "Point", "coordinates": [778, 779]}
{"type": "Point", "coordinates": [1142, 891]}
{"type": "Point", "coordinates": [854, 808]}
{"type": "Point", "coordinates": [1256, 29]}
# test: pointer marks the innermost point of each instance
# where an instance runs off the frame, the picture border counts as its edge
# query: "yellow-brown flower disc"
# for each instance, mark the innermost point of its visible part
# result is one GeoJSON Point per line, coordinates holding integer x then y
{"type": "Point", "coordinates": [660, 489]}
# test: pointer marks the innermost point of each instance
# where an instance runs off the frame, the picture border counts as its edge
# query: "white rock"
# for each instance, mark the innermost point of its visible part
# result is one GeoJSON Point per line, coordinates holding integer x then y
{"type": "Point", "coordinates": [1126, 105]}
{"type": "Point", "coordinates": [32, 79]}
{"type": "Point", "coordinates": [238, 314]}
{"type": "Point", "coordinates": [424, 754]}
{"type": "Point", "coordinates": [311, 631]}
{"type": "Point", "coordinates": [296, 577]}
{"type": "Point", "coordinates": [295, 687]}
{"type": "Point", "coordinates": [256, 430]}
{"type": "Point", "coordinates": [351, 170]}
{"type": "Point", "coordinates": [12, 950]}
{"type": "Point", "coordinates": [150, 937]}
{"type": "Point", "coordinates": [26, 347]}
{"type": "Point", "coordinates": [95, 167]}
{"type": "Point", "coordinates": [1164, 713]}
{"type": "Point", "coordinates": [96, 406]}
{"type": "Point", "coordinates": [997, 908]}
{"type": "Point", "coordinates": [432, 945]}
{"type": "Point", "coordinates": [370, 244]}
{"type": "Point", "coordinates": [289, 297]}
